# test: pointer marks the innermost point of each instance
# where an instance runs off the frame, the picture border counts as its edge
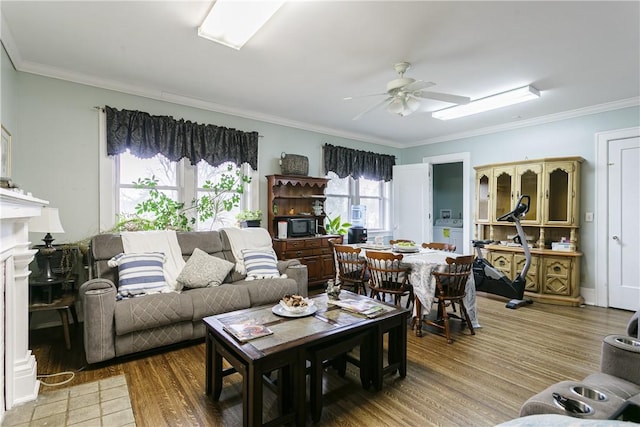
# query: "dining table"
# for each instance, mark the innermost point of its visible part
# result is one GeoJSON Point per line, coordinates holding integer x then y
{"type": "Point", "coordinates": [421, 265]}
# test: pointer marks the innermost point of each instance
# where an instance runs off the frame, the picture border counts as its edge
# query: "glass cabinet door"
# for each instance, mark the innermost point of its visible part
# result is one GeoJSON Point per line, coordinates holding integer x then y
{"type": "Point", "coordinates": [529, 183]}
{"type": "Point", "coordinates": [560, 193]}
{"type": "Point", "coordinates": [503, 185]}
{"type": "Point", "coordinates": [483, 205]}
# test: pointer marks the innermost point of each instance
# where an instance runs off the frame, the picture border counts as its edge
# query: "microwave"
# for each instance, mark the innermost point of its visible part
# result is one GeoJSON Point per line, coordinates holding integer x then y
{"type": "Point", "coordinates": [301, 227]}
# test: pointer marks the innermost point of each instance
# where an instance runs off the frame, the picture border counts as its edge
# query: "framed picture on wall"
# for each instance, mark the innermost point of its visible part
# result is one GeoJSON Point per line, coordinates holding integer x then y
{"type": "Point", "coordinates": [5, 154]}
{"type": "Point", "coordinates": [445, 213]}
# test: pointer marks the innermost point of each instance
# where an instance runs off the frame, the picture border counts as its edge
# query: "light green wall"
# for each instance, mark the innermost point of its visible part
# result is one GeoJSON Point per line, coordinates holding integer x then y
{"type": "Point", "coordinates": [8, 84]}
{"type": "Point", "coordinates": [57, 159]}
{"type": "Point", "coordinates": [55, 156]}
{"type": "Point", "coordinates": [572, 137]}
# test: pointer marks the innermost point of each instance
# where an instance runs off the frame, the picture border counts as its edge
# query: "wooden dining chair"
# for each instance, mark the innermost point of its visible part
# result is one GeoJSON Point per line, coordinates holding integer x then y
{"type": "Point", "coordinates": [387, 275]}
{"type": "Point", "coordinates": [451, 284]}
{"type": "Point", "coordinates": [440, 246]}
{"type": "Point", "coordinates": [351, 268]}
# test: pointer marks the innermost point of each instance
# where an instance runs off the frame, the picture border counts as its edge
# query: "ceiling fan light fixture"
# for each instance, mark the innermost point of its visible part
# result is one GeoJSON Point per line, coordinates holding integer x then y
{"type": "Point", "coordinates": [511, 97]}
{"type": "Point", "coordinates": [395, 106]}
{"type": "Point", "coordinates": [403, 105]}
{"type": "Point", "coordinates": [232, 23]}
{"type": "Point", "coordinates": [411, 104]}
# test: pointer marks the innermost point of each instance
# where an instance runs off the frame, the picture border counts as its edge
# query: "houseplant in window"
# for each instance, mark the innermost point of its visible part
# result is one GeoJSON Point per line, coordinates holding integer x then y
{"type": "Point", "coordinates": [160, 212]}
{"type": "Point", "coordinates": [336, 226]}
{"type": "Point", "coordinates": [248, 218]}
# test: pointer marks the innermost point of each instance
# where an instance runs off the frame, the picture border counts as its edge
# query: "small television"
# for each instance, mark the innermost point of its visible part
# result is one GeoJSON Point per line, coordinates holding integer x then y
{"type": "Point", "coordinates": [301, 227]}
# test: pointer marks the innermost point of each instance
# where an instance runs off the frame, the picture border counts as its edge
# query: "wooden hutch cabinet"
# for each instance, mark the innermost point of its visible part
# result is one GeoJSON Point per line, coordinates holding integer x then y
{"type": "Point", "coordinates": [554, 188]}
{"type": "Point", "coordinates": [291, 196]}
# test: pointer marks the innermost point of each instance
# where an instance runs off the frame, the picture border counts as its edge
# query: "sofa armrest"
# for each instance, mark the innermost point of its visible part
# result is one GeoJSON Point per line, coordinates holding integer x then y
{"type": "Point", "coordinates": [632, 326]}
{"type": "Point", "coordinates": [297, 271]}
{"type": "Point", "coordinates": [620, 357]}
{"type": "Point", "coordinates": [99, 302]}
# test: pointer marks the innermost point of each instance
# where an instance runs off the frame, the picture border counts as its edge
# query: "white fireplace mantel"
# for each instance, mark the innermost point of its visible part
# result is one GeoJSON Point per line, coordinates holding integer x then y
{"type": "Point", "coordinates": [20, 369]}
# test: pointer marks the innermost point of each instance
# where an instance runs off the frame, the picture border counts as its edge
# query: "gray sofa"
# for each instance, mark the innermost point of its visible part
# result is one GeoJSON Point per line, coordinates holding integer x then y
{"type": "Point", "coordinates": [601, 395]}
{"type": "Point", "coordinates": [115, 328]}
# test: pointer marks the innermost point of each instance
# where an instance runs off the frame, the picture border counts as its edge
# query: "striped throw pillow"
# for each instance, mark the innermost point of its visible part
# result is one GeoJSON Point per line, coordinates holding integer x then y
{"type": "Point", "coordinates": [140, 273]}
{"type": "Point", "coordinates": [260, 264]}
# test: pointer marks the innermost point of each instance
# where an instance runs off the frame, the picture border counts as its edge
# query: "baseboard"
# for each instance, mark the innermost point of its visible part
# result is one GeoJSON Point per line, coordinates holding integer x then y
{"type": "Point", "coordinates": [589, 295]}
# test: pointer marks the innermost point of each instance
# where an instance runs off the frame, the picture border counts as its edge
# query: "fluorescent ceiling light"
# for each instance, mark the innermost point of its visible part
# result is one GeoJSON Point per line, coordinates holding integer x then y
{"type": "Point", "coordinates": [492, 102]}
{"type": "Point", "coordinates": [233, 22]}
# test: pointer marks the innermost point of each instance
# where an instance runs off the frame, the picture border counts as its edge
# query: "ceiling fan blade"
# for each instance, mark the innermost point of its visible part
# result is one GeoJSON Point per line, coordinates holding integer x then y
{"type": "Point", "coordinates": [446, 97]}
{"type": "Point", "coordinates": [417, 85]}
{"type": "Point", "coordinates": [349, 98]}
{"type": "Point", "coordinates": [373, 107]}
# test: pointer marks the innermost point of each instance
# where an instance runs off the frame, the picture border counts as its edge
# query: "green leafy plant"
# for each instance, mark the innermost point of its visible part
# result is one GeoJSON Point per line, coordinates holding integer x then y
{"type": "Point", "coordinates": [247, 215]}
{"type": "Point", "coordinates": [336, 226]}
{"type": "Point", "coordinates": [160, 212]}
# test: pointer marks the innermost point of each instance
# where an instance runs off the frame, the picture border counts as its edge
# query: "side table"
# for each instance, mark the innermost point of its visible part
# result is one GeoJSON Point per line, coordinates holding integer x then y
{"type": "Point", "coordinates": [64, 304]}
{"type": "Point", "coordinates": [45, 291]}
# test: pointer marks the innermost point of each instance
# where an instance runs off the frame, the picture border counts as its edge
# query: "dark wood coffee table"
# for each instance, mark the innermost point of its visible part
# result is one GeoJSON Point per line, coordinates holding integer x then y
{"type": "Point", "coordinates": [317, 337]}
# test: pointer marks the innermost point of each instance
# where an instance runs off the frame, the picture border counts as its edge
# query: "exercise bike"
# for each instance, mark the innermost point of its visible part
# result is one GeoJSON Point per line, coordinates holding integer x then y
{"type": "Point", "coordinates": [491, 280]}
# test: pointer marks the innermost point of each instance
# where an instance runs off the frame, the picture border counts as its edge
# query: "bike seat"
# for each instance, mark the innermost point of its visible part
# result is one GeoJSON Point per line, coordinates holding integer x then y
{"type": "Point", "coordinates": [481, 243]}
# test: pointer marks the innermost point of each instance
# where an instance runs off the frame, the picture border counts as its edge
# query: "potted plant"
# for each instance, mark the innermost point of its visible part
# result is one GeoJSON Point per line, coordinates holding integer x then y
{"type": "Point", "coordinates": [248, 218]}
{"type": "Point", "coordinates": [336, 226]}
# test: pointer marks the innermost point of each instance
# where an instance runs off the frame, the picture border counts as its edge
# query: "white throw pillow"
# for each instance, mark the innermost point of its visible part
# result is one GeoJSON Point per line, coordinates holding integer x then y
{"type": "Point", "coordinates": [140, 273]}
{"type": "Point", "coordinates": [203, 270]}
{"type": "Point", "coordinates": [261, 264]}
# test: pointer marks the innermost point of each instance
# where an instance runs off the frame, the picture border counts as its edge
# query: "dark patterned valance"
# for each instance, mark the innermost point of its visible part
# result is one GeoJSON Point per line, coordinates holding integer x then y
{"type": "Point", "coordinates": [146, 135]}
{"type": "Point", "coordinates": [359, 164]}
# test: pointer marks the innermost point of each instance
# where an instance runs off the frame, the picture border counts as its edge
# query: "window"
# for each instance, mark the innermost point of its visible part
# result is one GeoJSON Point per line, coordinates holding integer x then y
{"type": "Point", "coordinates": [342, 193]}
{"type": "Point", "coordinates": [180, 181]}
{"type": "Point", "coordinates": [207, 173]}
{"type": "Point", "coordinates": [130, 168]}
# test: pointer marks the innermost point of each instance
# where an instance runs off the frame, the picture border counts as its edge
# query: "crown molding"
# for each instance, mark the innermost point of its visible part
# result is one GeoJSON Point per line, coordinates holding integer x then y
{"type": "Point", "coordinates": [206, 105]}
{"type": "Point", "coordinates": [593, 109]}
{"type": "Point", "coordinates": [57, 73]}
{"type": "Point", "coordinates": [61, 74]}
{"type": "Point", "coordinates": [9, 44]}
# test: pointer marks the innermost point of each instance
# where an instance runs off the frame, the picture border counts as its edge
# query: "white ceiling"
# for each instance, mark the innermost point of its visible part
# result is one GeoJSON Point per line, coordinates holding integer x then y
{"type": "Point", "coordinates": [582, 56]}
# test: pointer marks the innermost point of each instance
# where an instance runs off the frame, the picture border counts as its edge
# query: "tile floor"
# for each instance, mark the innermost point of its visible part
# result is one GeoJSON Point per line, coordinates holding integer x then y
{"type": "Point", "coordinates": [101, 403]}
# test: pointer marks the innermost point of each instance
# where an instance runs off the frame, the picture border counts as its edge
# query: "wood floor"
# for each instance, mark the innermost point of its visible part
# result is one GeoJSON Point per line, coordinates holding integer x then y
{"type": "Point", "coordinates": [479, 380]}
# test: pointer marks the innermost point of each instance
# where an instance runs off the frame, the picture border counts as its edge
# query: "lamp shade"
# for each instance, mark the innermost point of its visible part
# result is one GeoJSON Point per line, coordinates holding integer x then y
{"type": "Point", "coordinates": [47, 222]}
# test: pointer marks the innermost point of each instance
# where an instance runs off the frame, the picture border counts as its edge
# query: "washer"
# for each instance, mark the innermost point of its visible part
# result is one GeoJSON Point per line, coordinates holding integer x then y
{"type": "Point", "coordinates": [449, 230]}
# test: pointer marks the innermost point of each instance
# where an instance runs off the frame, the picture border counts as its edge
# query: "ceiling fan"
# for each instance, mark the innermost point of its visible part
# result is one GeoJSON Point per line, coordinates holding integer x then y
{"type": "Point", "coordinates": [404, 94]}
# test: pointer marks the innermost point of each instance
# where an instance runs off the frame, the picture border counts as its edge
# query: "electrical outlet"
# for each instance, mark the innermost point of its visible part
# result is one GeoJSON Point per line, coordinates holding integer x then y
{"type": "Point", "coordinates": [588, 216]}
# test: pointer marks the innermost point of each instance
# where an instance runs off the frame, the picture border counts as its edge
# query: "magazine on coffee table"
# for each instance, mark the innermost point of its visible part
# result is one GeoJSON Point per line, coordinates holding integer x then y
{"type": "Point", "coordinates": [247, 331]}
{"type": "Point", "coordinates": [368, 308]}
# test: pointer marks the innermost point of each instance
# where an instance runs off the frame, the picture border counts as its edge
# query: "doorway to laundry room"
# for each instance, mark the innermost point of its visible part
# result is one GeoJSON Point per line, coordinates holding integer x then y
{"type": "Point", "coordinates": [451, 180]}
{"type": "Point", "coordinates": [448, 204]}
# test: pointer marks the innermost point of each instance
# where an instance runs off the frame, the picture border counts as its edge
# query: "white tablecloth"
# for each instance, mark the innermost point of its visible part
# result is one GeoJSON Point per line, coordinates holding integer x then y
{"type": "Point", "coordinates": [422, 265]}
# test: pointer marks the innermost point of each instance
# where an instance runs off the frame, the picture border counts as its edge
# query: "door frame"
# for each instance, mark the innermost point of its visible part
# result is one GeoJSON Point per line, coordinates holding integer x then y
{"type": "Point", "coordinates": [467, 182]}
{"type": "Point", "coordinates": [601, 222]}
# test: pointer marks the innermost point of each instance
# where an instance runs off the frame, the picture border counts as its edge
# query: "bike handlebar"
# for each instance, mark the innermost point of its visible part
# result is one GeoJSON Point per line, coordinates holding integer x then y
{"type": "Point", "coordinates": [520, 210]}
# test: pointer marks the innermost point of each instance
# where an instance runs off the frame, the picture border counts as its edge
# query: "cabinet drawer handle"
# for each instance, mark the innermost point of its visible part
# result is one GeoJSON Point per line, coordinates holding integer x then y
{"type": "Point", "coordinates": [557, 269]}
{"type": "Point", "coordinates": [299, 253]}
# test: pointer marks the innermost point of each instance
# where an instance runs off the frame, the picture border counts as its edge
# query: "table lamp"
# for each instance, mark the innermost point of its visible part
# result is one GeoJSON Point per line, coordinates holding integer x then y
{"type": "Point", "coordinates": [48, 222]}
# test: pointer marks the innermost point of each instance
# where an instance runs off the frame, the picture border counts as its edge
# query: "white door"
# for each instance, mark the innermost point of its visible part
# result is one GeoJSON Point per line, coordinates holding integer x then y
{"type": "Point", "coordinates": [411, 198]}
{"type": "Point", "coordinates": [624, 225]}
